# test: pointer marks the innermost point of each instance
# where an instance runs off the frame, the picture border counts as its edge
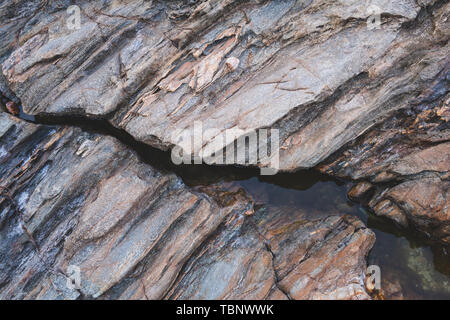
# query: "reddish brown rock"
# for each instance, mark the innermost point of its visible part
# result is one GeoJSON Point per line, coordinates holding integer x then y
{"type": "Point", "coordinates": [137, 232]}
{"type": "Point", "coordinates": [390, 290]}
{"type": "Point", "coordinates": [364, 103]}
{"type": "Point", "coordinates": [360, 190]}
{"type": "Point", "coordinates": [407, 158]}
{"type": "Point", "coordinates": [420, 203]}
{"type": "Point", "coordinates": [12, 108]}
{"type": "Point", "coordinates": [318, 259]}
{"type": "Point", "coordinates": [89, 202]}
{"type": "Point", "coordinates": [390, 210]}
{"type": "Point", "coordinates": [311, 273]}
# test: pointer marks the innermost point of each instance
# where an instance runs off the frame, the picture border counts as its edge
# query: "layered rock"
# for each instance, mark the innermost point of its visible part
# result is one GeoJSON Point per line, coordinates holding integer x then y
{"type": "Point", "coordinates": [76, 199]}
{"type": "Point", "coordinates": [313, 69]}
{"type": "Point", "coordinates": [88, 201]}
{"type": "Point", "coordinates": [322, 72]}
{"type": "Point", "coordinates": [294, 258]}
{"type": "Point", "coordinates": [358, 99]}
{"type": "Point", "coordinates": [406, 159]}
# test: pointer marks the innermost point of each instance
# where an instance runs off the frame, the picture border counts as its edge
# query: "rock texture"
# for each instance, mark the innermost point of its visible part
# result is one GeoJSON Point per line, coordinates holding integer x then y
{"type": "Point", "coordinates": [293, 258]}
{"type": "Point", "coordinates": [73, 198]}
{"type": "Point", "coordinates": [408, 158]}
{"type": "Point", "coordinates": [313, 69]}
{"type": "Point", "coordinates": [319, 71]}
{"type": "Point", "coordinates": [354, 98]}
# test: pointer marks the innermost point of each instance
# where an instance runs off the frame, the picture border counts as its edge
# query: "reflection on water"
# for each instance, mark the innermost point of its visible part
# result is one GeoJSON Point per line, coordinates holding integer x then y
{"type": "Point", "coordinates": [411, 267]}
{"type": "Point", "coordinates": [419, 268]}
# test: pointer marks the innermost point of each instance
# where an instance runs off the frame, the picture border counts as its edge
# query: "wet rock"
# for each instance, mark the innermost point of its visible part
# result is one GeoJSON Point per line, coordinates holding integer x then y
{"type": "Point", "coordinates": [421, 203]}
{"type": "Point", "coordinates": [391, 290]}
{"type": "Point", "coordinates": [407, 159]}
{"type": "Point", "coordinates": [12, 108]}
{"type": "Point", "coordinates": [390, 210]}
{"type": "Point", "coordinates": [430, 281]}
{"type": "Point", "coordinates": [360, 190]}
{"type": "Point", "coordinates": [86, 202]}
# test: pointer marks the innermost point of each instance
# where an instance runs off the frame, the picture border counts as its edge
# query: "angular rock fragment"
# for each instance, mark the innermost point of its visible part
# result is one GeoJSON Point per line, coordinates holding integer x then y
{"type": "Point", "coordinates": [421, 203]}
{"type": "Point", "coordinates": [360, 190]}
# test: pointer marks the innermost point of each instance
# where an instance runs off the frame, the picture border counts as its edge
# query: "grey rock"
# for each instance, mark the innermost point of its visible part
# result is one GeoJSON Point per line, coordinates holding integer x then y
{"type": "Point", "coordinates": [74, 199]}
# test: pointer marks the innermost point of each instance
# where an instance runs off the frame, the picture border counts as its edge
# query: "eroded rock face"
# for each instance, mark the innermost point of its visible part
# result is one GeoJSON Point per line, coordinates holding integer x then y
{"type": "Point", "coordinates": [313, 69]}
{"type": "Point", "coordinates": [358, 100]}
{"type": "Point", "coordinates": [88, 201]}
{"type": "Point", "coordinates": [322, 72]}
{"type": "Point", "coordinates": [294, 257]}
{"type": "Point", "coordinates": [136, 232]}
{"type": "Point", "coordinates": [424, 203]}
{"type": "Point", "coordinates": [407, 157]}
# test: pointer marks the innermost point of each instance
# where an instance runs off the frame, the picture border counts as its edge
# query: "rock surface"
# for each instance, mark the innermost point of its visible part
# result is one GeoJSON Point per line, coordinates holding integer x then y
{"type": "Point", "coordinates": [355, 99]}
{"type": "Point", "coordinates": [136, 232]}
{"type": "Point", "coordinates": [319, 71]}
{"type": "Point", "coordinates": [313, 69]}
{"type": "Point", "coordinates": [408, 158]}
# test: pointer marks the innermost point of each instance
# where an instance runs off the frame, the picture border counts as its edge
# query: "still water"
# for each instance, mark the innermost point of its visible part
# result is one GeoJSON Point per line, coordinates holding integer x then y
{"type": "Point", "coordinates": [411, 267]}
